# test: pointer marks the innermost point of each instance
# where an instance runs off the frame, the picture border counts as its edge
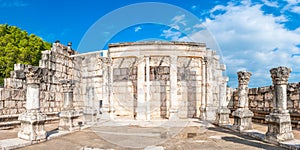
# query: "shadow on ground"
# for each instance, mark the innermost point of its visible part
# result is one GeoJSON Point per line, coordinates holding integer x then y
{"type": "Point", "coordinates": [244, 139]}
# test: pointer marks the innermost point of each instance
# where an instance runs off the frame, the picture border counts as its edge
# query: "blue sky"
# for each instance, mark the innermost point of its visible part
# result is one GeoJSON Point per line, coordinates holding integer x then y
{"type": "Point", "coordinates": [248, 35]}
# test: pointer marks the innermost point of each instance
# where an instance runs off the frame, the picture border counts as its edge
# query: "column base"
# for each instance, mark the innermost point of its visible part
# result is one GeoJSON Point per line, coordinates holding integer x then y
{"type": "Point", "coordinates": [223, 117]}
{"type": "Point", "coordinates": [32, 126]}
{"type": "Point", "coordinates": [106, 114]}
{"type": "Point", "coordinates": [242, 119]}
{"type": "Point", "coordinates": [211, 113]}
{"type": "Point", "coordinates": [141, 116]}
{"type": "Point", "coordinates": [279, 127]}
{"type": "Point", "coordinates": [68, 120]}
{"type": "Point", "coordinates": [173, 115]}
{"type": "Point", "coordinates": [202, 113]}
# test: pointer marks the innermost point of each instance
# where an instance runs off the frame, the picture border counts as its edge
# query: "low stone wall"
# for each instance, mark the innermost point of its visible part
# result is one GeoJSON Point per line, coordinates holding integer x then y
{"type": "Point", "coordinates": [261, 102]}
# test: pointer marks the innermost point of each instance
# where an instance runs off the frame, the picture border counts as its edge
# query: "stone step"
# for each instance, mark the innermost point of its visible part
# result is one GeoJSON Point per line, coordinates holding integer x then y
{"type": "Point", "coordinates": [9, 125]}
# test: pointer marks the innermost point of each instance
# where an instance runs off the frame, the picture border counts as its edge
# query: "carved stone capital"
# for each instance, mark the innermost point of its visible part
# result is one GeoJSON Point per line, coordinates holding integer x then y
{"type": "Point", "coordinates": [33, 75]}
{"type": "Point", "coordinates": [280, 75]}
{"type": "Point", "coordinates": [244, 77]}
{"type": "Point", "coordinates": [105, 60]}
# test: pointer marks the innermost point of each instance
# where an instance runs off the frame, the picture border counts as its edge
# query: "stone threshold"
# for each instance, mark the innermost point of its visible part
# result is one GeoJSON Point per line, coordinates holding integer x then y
{"type": "Point", "coordinates": [292, 144]}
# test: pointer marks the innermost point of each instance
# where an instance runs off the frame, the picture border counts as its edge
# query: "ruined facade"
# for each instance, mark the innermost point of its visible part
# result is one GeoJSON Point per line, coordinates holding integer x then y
{"type": "Point", "coordinates": [141, 80]}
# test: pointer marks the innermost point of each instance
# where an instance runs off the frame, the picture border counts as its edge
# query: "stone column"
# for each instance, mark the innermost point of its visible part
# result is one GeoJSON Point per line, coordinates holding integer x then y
{"type": "Point", "coordinates": [204, 87]}
{"type": "Point", "coordinates": [105, 112]}
{"type": "Point", "coordinates": [243, 116]}
{"type": "Point", "coordinates": [110, 89]}
{"type": "Point", "coordinates": [223, 111]}
{"type": "Point", "coordinates": [148, 87]}
{"type": "Point", "coordinates": [141, 107]}
{"type": "Point", "coordinates": [32, 121]}
{"type": "Point", "coordinates": [173, 88]}
{"type": "Point", "coordinates": [279, 121]}
{"type": "Point", "coordinates": [68, 116]}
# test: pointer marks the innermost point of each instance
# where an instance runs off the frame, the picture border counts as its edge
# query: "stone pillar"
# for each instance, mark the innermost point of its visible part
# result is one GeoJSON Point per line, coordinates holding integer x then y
{"type": "Point", "coordinates": [223, 112]}
{"type": "Point", "coordinates": [68, 116]}
{"type": "Point", "coordinates": [173, 88]}
{"type": "Point", "coordinates": [105, 111]}
{"type": "Point", "coordinates": [243, 116]}
{"type": "Point", "coordinates": [32, 121]}
{"type": "Point", "coordinates": [141, 107]}
{"type": "Point", "coordinates": [279, 121]}
{"type": "Point", "coordinates": [148, 87]}
{"type": "Point", "coordinates": [204, 94]}
{"type": "Point", "coordinates": [110, 89]}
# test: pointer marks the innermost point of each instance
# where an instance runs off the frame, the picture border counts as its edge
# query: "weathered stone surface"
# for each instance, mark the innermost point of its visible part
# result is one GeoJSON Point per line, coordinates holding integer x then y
{"type": "Point", "coordinates": [279, 127]}
{"type": "Point", "coordinates": [279, 122]}
{"type": "Point", "coordinates": [243, 116]}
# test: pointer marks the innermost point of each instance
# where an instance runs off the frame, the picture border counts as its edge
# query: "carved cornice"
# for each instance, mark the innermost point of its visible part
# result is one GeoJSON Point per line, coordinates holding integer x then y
{"type": "Point", "coordinates": [280, 75]}
{"type": "Point", "coordinates": [244, 77]}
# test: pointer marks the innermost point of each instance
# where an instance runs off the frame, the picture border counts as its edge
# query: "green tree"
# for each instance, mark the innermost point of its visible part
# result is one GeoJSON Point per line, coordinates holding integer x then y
{"type": "Point", "coordinates": [16, 46]}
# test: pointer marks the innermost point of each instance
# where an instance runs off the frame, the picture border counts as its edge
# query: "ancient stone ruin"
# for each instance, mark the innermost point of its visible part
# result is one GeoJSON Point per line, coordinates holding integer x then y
{"type": "Point", "coordinates": [142, 81]}
{"type": "Point", "coordinates": [138, 81]}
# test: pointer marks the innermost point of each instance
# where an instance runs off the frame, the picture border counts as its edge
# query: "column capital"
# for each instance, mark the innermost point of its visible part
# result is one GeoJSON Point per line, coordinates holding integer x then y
{"type": "Point", "coordinates": [280, 75]}
{"type": "Point", "coordinates": [32, 74]}
{"type": "Point", "coordinates": [68, 85]}
{"type": "Point", "coordinates": [244, 77]}
{"type": "Point", "coordinates": [204, 60]}
{"type": "Point", "coordinates": [105, 60]}
{"type": "Point", "coordinates": [140, 58]}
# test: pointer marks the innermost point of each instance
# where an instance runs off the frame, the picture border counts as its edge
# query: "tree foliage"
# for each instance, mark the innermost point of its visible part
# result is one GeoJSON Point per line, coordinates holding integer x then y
{"type": "Point", "coordinates": [16, 46]}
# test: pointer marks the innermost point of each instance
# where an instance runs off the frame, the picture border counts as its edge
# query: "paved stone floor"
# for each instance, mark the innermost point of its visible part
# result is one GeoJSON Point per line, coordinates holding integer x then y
{"type": "Point", "coordinates": [196, 136]}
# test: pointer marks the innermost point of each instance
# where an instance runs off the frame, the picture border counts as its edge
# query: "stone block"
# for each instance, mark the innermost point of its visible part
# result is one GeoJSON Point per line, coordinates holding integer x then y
{"type": "Point", "coordinates": [259, 97]}
{"type": "Point", "coordinates": [268, 96]}
{"type": "Point", "coordinates": [242, 119]}
{"type": "Point", "coordinates": [19, 67]}
{"type": "Point", "coordinates": [253, 91]}
{"type": "Point", "coordinates": [18, 94]}
{"type": "Point", "coordinates": [1, 104]}
{"type": "Point", "coordinates": [279, 127]}
{"type": "Point", "coordinates": [52, 96]}
{"type": "Point", "coordinates": [32, 126]}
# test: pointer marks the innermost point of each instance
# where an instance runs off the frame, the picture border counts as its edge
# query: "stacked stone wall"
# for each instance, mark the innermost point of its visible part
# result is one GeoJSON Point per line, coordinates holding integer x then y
{"type": "Point", "coordinates": [54, 66]}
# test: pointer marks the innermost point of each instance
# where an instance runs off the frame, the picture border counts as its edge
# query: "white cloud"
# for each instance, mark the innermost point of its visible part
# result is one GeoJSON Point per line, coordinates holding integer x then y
{"type": "Point", "coordinates": [250, 39]}
{"type": "Point", "coordinates": [296, 9]}
{"type": "Point", "coordinates": [138, 28]}
{"type": "Point", "coordinates": [291, 6]}
{"type": "Point", "coordinates": [170, 34]}
{"type": "Point", "coordinates": [194, 7]}
{"type": "Point", "coordinates": [271, 3]}
{"type": "Point", "coordinates": [179, 20]}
